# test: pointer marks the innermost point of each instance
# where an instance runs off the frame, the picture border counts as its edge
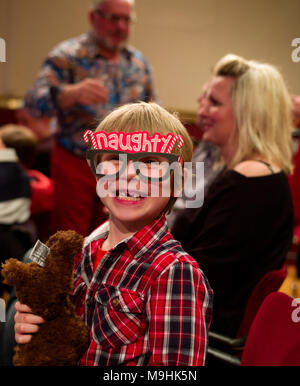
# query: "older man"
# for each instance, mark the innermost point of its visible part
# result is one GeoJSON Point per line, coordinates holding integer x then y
{"type": "Point", "coordinates": [81, 80]}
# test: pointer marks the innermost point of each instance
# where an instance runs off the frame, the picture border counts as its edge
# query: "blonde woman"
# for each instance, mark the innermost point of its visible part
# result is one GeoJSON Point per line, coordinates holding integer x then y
{"type": "Point", "coordinates": [245, 227]}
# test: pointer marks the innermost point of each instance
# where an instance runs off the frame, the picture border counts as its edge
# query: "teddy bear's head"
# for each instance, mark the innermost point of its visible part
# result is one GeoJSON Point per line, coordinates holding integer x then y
{"type": "Point", "coordinates": [45, 289]}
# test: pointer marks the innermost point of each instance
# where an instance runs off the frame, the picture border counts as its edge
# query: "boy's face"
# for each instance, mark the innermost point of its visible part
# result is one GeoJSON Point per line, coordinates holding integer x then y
{"type": "Point", "coordinates": [140, 190]}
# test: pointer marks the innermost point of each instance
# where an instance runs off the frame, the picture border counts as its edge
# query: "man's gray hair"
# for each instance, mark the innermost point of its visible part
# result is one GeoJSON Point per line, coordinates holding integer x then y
{"type": "Point", "coordinates": [97, 3]}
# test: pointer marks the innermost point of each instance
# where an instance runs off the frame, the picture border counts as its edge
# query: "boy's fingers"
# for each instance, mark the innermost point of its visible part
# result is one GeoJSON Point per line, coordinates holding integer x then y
{"type": "Point", "coordinates": [28, 318]}
{"type": "Point", "coordinates": [25, 315]}
{"type": "Point", "coordinates": [22, 307]}
{"type": "Point", "coordinates": [22, 339]}
{"type": "Point", "coordinates": [26, 328]}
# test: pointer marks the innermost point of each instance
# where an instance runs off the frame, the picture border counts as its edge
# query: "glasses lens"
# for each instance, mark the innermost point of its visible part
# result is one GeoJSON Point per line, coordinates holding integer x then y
{"type": "Point", "coordinates": [117, 18]}
{"type": "Point", "coordinates": [152, 167]}
{"type": "Point", "coordinates": [113, 18]}
{"type": "Point", "coordinates": [110, 164]}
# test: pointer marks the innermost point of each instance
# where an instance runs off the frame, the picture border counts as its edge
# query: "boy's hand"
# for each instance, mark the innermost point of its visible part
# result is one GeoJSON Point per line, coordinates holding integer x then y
{"type": "Point", "coordinates": [26, 323]}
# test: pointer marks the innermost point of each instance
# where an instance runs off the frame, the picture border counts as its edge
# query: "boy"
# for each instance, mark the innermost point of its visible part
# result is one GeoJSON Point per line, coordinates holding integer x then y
{"type": "Point", "coordinates": [144, 299]}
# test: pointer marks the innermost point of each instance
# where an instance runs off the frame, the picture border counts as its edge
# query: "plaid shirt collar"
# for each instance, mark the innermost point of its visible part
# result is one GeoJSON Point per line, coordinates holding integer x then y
{"type": "Point", "coordinates": [144, 239]}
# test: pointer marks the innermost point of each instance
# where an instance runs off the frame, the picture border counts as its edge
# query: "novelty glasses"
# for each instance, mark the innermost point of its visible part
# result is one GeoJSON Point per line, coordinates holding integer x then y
{"type": "Point", "coordinates": [148, 166]}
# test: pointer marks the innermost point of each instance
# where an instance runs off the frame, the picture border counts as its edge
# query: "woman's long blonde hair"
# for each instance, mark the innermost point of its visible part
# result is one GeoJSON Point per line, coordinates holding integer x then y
{"type": "Point", "coordinates": [262, 109]}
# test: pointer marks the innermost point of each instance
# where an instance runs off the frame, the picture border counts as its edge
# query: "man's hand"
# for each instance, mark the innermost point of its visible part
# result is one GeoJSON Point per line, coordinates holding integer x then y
{"type": "Point", "coordinates": [87, 92]}
{"type": "Point", "coordinates": [26, 323]}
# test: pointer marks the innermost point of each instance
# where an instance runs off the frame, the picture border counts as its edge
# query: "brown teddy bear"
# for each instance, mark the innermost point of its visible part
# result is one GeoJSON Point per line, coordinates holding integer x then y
{"type": "Point", "coordinates": [64, 338]}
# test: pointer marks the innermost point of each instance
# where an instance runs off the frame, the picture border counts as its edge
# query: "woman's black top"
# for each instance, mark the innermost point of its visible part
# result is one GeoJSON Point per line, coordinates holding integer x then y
{"type": "Point", "coordinates": [243, 230]}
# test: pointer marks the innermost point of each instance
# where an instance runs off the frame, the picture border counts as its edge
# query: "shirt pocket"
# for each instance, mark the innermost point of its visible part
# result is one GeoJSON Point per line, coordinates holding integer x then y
{"type": "Point", "coordinates": [118, 316]}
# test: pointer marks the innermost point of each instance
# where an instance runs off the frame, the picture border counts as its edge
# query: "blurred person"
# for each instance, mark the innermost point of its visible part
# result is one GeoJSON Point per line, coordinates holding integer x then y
{"type": "Point", "coordinates": [296, 110]}
{"type": "Point", "coordinates": [25, 143]}
{"type": "Point", "coordinates": [295, 176]}
{"type": "Point", "coordinates": [15, 201]}
{"type": "Point", "coordinates": [44, 128]}
{"type": "Point", "coordinates": [208, 154]}
{"type": "Point", "coordinates": [294, 181]}
{"type": "Point", "coordinates": [82, 80]}
{"type": "Point", "coordinates": [245, 226]}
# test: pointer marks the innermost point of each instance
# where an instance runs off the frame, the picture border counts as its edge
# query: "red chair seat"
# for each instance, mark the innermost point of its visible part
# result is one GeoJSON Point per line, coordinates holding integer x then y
{"type": "Point", "coordinates": [274, 337]}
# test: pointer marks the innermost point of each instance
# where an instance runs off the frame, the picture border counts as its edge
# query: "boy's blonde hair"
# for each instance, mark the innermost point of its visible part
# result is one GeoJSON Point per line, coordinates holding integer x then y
{"type": "Point", "coordinates": [152, 118]}
{"type": "Point", "coordinates": [262, 110]}
{"type": "Point", "coordinates": [22, 139]}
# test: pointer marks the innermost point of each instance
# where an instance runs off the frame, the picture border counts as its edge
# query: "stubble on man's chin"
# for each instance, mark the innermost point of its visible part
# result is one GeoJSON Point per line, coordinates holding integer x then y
{"type": "Point", "coordinates": [110, 47]}
{"type": "Point", "coordinates": [116, 48]}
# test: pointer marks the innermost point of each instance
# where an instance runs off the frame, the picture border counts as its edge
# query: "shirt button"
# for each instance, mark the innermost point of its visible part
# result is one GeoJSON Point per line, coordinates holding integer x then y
{"type": "Point", "coordinates": [115, 302]}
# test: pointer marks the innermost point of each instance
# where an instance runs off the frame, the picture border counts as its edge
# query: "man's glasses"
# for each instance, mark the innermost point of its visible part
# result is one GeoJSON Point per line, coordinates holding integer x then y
{"type": "Point", "coordinates": [114, 18]}
{"type": "Point", "coordinates": [148, 166]}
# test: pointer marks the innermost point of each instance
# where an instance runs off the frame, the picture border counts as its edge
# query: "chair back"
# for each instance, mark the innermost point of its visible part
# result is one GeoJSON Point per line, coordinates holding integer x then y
{"type": "Point", "coordinates": [269, 283]}
{"type": "Point", "coordinates": [274, 337]}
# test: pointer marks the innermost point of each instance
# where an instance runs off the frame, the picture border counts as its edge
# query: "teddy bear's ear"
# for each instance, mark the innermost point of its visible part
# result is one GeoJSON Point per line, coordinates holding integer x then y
{"type": "Point", "coordinates": [69, 240]}
{"type": "Point", "coordinates": [64, 246]}
{"type": "Point", "coordinates": [14, 272]}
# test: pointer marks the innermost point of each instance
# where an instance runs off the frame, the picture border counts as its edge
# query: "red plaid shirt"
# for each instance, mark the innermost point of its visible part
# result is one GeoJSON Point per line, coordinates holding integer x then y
{"type": "Point", "coordinates": [147, 303]}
